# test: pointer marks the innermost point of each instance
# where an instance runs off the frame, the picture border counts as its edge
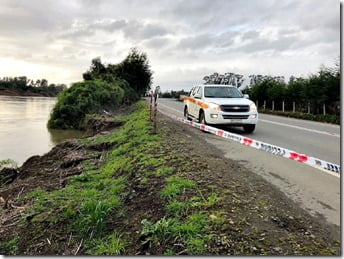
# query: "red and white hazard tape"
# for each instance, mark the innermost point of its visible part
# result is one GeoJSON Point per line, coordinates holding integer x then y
{"type": "Point", "coordinates": [272, 149]}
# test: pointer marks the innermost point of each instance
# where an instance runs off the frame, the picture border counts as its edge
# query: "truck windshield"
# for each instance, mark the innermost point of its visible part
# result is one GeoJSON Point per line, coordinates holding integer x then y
{"type": "Point", "coordinates": [222, 92]}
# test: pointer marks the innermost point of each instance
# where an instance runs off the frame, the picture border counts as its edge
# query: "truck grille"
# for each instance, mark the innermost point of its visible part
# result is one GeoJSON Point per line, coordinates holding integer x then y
{"type": "Point", "coordinates": [235, 108]}
{"type": "Point", "coordinates": [237, 117]}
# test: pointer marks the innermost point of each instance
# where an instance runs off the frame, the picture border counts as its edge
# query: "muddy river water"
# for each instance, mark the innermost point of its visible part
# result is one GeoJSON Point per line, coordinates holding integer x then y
{"type": "Point", "coordinates": [23, 127]}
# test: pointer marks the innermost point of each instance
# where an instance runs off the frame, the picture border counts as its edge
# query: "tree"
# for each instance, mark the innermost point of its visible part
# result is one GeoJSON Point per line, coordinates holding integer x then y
{"type": "Point", "coordinates": [135, 69]}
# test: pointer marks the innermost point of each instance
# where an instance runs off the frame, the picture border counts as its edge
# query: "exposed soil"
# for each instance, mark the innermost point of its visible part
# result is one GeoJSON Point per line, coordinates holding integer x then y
{"type": "Point", "coordinates": [260, 219]}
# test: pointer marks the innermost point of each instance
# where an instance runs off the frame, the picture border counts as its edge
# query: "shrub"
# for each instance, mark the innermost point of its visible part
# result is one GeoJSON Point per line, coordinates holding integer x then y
{"type": "Point", "coordinates": [82, 98]}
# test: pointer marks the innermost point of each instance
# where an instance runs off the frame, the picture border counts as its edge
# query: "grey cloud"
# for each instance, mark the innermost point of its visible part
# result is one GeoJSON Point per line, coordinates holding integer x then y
{"type": "Point", "coordinates": [262, 44]}
{"type": "Point", "coordinates": [131, 29]}
{"type": "Point", "coordinates": [196, 42]}
{"type": "Point", "coordinates": [157, 43]}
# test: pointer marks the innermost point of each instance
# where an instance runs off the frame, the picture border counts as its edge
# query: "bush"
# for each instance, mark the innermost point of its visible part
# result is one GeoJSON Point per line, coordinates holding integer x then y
{"type": "Point", "coordinates": [82, 98]}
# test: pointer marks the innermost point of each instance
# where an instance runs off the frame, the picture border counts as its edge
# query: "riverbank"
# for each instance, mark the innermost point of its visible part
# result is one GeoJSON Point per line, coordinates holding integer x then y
{"type": "Point", "coordinates": [128, 191]}
{"type": "Point", "coordinates": [12, 92]}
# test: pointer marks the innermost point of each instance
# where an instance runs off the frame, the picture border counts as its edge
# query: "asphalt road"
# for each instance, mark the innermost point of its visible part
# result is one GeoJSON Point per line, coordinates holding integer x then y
{"type": "Point", "coordinates": [314, 139]}
{"type": "Point", "coordinates": [314, 190]}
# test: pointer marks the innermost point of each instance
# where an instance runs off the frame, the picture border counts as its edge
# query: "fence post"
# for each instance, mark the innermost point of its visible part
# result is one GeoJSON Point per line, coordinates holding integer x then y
{"type": "Point", "coordinates": [264, 104]}
{"type": "Point", "coordinates": [309, 108]}
{"type": "Point", "coordinates": [324, 109]}
{"type": "Point", "coordinates": [293, 106]}
{"type": "Point", "coordinates": [151, 106]}
{"type": "Point", "coordinates": [283, 106]}
{"type": "Point", "coordinates": [156, 93]}
{"type": "Point", "coordinates": [257, 104]}
{"type": "Point", "coordinates": [273, 105]}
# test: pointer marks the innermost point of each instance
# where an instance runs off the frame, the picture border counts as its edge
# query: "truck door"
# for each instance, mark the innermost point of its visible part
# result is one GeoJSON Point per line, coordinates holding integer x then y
{"type": "Point", "coordinates": [193, 101]}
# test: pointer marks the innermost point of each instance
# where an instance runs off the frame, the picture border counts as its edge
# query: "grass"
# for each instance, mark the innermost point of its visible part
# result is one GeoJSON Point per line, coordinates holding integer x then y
{"type": "Point", "coordinates": [89, 201]}
{"type": "Point", "coordinates": [10, 247]}
{"type": "Point", "coordinates": [110, 245]}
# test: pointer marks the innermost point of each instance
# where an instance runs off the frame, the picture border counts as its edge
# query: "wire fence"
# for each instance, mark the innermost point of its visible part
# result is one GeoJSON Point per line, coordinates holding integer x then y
{"type": "Point", "coordinates": [304, 107]}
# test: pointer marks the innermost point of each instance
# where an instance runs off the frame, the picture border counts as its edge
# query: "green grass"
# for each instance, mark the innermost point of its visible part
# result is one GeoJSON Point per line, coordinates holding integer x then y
{"type": "Point", "coordinates": [176, 185]}
{"type": "Point", "coordinates": [90, 200]}
{"type": "Point", "coordinates": [10, 247]}
{"type": "Point", "coordinates": [177, 208]}
{"type": "Point", "coordinates": [110, 245]}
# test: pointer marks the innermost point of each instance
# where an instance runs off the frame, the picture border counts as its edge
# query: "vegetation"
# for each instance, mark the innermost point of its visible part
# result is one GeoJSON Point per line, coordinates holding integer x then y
{"type": "Point", "coordinates": [83, 98]}
{"type": "Point", "coordinates": [8, 163]}
{"type": "Point", "coordinates": [134, 69]}
{"type": "Point", "coordinates": [104, 87]}
{"type": "Point", "coordinates": [24, 85]}
{"type": "Point", "coordinates": [319, 89]}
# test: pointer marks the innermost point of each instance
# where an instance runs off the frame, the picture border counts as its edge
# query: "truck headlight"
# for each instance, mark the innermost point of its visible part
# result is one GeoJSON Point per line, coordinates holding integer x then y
{"type": "Point", "coordinates": [215, 106]}
{"type": "Point", "coordinates": [253, 108]}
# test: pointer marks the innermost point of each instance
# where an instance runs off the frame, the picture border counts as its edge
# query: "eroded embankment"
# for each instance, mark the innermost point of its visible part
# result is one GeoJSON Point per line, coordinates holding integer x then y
{"type": "Point", "coordinates": [128, 191]}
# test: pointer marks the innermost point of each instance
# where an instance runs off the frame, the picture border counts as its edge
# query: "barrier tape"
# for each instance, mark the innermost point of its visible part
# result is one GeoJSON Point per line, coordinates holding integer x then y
{"type": "Point", "coordinates": [272, 149]}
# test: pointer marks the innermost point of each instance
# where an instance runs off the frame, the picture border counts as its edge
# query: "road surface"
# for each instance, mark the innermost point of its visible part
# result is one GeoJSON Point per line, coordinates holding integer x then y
{"type": "Point", "coordinates": [315, 190]}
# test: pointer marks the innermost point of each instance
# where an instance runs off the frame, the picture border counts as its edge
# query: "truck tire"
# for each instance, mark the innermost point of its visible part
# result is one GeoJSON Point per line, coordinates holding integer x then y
{"type": "Point", "coordinates": [186, 114]}
{"type": "Point", "coordinates": [201, 118]}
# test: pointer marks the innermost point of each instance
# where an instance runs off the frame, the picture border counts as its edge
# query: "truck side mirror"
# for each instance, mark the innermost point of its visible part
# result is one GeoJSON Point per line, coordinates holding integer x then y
{"type": "Point", "coordinates": [246, 96]}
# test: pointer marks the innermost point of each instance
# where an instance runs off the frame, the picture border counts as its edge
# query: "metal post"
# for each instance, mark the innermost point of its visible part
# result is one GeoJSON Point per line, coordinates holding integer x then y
{"type": "Point", "coordinates": [264, 104]}
{"type": "Point", "coordinates": [273, 105]}
{"type": "Point", "coordinates": [156, 93]}
{"type": "Point", "coordinates": [151, 105]}
{"type": "Point", "coordinates": [309, 108]}
{"type": "Point", "coordinates": [324, 109]}
{"type": "Point", "coordinates": [293, 106]}
{"type": "Point", "coordinates": [283, 106]}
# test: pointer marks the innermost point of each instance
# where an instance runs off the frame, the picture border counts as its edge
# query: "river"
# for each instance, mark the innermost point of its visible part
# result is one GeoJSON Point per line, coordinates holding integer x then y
{"type": "Point", "coordinates": [23, 127]}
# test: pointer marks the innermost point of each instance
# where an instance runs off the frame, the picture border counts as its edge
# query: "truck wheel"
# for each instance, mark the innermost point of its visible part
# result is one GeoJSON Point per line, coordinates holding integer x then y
{"type": "Point", "coordinates": [202, 118]}
{"type": "Point", "coordinates": [186, 113]}
{"type": "Point", "coordinates": [249, 128]}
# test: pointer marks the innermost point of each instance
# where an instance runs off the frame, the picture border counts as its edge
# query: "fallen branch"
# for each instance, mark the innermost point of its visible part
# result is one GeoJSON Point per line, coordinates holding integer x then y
{"type": "Point", "coordinates": [77, 250]}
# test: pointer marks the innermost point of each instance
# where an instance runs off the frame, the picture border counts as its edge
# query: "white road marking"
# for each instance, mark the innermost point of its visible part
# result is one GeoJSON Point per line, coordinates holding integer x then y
{"type": "Point", "coordinates": [302, 128]}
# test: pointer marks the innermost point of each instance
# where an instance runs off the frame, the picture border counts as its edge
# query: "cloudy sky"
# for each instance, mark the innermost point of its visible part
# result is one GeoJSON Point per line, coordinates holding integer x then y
{"type": "Point", "coordinates": [184, 40]}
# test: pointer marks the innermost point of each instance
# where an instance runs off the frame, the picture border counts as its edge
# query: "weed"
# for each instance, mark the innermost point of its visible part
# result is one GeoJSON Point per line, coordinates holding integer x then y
{"type": "Point", "coordinates": [175, 186]}
{"type": "Point", "coordinates": [207, 202]}
{"type": "Point", "coordinates": [169, 252]}
{"type": "Point", "coordinates": [164, 171]}
{"type": "Point", "coordinates": [196, 246]}
{"type": "Point", "coordinates": [177, 208]}
{"type": "Point", "coordinates": [93, 215]}
{"type": "Point", "coordinates": [110, 245]}
{"type": "Point", "coordinates": [10, 247]}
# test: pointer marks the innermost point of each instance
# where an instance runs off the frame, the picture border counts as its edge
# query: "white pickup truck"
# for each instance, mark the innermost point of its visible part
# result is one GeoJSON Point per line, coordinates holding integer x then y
{"type": "Point", "coordinates": [221, 104]}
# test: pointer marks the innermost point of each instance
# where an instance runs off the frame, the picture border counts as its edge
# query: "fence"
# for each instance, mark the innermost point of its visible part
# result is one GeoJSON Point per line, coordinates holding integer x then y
{"type": "Point", "coordinates": [306, 107]}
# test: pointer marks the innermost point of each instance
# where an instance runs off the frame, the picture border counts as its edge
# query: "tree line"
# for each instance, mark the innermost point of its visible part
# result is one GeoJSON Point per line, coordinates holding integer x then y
{"type": "Point", "coordinates": [317, 91]}
{"type": "Point", "coordinates": [23, 84]}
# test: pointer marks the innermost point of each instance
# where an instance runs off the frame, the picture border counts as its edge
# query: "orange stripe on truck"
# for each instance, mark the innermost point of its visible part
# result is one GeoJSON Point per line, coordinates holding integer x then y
{"type": "Point", "coordinates": [199, 103]}
{"type": "Point", "coordinates": [189, 99]}
{"type": "Point", "coordinates": [203, 105]}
